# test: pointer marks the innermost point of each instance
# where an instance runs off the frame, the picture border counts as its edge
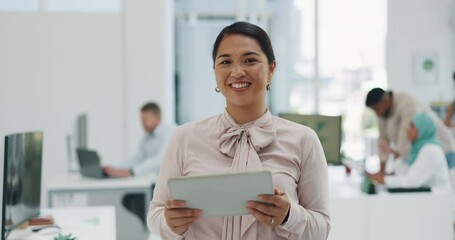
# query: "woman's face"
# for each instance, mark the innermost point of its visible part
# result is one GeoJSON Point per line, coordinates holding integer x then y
{"type": "Point", "coordinates": [413, 132]}
{"type": "Point", "coordinates": [242, 71]}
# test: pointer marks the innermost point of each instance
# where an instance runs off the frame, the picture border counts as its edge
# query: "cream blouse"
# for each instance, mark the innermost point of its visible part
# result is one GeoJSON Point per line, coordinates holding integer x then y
{"type": "Point", "coordinates": [292, 152]}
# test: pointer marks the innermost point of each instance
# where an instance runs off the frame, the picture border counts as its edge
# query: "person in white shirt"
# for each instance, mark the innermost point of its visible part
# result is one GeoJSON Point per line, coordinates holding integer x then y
{"type": "Point", "coordinates": [425, 166]}
{"type": "Point", "coordinates": [148, 157]}
{"type": "Point", "coordinates": [395, 111]}
{"type": "Point", "coordinates": [152, 147]}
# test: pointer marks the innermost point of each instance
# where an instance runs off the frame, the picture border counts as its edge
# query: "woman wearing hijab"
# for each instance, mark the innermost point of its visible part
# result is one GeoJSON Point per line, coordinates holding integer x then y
{"type": "Point", "coordinates": [246, 136]}
{"type": "Point", "coordinates": [426, 165]}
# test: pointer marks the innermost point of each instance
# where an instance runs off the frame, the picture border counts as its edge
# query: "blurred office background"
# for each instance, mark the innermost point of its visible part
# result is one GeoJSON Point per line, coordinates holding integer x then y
{"type": "Point", "coordinates": [105, 58]}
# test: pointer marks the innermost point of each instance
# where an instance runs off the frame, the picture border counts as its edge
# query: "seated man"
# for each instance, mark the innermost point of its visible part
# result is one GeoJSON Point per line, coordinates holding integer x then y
{"type": "Point", "coordinates": [152, 147]}
{"type": "Point", "coordinates": [148, 156]}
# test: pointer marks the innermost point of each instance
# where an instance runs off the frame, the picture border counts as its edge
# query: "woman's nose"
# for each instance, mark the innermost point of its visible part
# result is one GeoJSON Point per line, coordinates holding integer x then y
{"type": "Point", "coordinates": [238, 71]}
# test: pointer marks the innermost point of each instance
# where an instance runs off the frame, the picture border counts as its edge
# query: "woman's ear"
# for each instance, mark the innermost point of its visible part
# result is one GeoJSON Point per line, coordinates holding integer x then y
{"type": "Point", "coordinates": [272, 67]}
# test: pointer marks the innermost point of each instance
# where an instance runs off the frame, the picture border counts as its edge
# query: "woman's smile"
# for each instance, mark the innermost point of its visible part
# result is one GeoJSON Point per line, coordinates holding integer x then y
{"type": "Point", "coordinates": [240, 86]}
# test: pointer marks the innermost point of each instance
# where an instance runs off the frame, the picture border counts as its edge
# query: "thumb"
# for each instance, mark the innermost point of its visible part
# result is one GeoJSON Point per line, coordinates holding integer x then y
{"type": "Point", "coordinates": [278, 192]}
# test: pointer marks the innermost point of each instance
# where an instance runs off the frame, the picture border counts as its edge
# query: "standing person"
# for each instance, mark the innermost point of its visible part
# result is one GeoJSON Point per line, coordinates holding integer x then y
{"type": "Point", "coordinates": [395, 112]}
{"type": "Point", "coordinates": [426, 164]}
{"type": "Point", "coordinates": [246, 137]}
{"type": "Point", "coordinates": [151, 150]}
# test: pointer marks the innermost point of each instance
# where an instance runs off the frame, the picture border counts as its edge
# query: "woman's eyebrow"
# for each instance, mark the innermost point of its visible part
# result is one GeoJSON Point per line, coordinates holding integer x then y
{"type": "Point", "coordinates": [250, 53]}
{"type": "Point", "coordinates": [245, 54]}
{"type": "Point", "coordinates": [224, 55]}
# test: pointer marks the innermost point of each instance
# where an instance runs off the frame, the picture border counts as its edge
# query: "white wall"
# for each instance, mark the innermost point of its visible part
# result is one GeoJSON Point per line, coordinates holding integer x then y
{"type": "Point", "coordinates": [149, 62]}
{"type": "Point", "coordinates": [54, 66]}
{"type": "Point", "coordinates": [420, 26]}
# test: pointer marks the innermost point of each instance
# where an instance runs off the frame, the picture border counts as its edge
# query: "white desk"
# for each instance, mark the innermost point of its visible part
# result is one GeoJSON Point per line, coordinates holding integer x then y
{"type": "Point", "coordinates": [392, 216]}
{"type": "Point", "coordinates": [108, 191]}
{"type": "Point", "coordinates": [74, 182]}
{"type": "Point", "coordinates": [86, 223]}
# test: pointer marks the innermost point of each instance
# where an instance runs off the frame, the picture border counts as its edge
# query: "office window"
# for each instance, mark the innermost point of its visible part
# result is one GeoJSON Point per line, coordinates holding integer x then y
{"type": "Point", "coordinates": [340, 64]}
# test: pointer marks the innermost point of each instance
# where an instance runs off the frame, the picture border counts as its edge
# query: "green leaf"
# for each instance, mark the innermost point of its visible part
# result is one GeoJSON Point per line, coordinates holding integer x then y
{"type": "Point", "coordinates": [65, 237]}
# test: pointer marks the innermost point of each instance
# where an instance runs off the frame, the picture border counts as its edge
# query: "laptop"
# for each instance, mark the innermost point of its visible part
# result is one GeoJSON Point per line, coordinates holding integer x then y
{"type": "Point", "coordinates": [90, 163]}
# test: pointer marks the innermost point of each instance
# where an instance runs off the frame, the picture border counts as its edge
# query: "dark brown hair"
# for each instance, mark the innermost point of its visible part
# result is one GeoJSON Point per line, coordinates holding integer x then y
{"type": "Point", "coordinates": [249, 30]}
{"type": "Point", "coordinates": [152, 107]}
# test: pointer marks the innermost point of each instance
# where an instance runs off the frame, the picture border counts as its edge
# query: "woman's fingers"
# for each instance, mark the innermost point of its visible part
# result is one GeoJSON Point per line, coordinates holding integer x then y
{"type": "Point", "coordinates": [262, 217]}
{"type": "Point", "coordinates": [277, 200]}
{"type": "Point", "coordinates": [178, 217]}
{"type": "Point", "coordinates": [172, 203]}
{"type": "Point", "coordinates": [271, 210]}
{"type": "Point", "coordinates": [180, 222]}
{"type": "Point", "coordinates": [182, 229]}
{"type": "Point", "coordinates": [182, 213]}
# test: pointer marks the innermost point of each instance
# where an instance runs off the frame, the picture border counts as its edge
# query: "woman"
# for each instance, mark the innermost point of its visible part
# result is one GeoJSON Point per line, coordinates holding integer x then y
{"type": "Point", "coordinates": [426, 164]}
{"type": "Point", "coordinates": [246, 137]}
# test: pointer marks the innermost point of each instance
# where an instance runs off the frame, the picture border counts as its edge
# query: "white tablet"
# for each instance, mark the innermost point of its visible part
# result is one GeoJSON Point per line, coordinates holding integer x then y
{"type": "Point", "coordinates": [222, 194]}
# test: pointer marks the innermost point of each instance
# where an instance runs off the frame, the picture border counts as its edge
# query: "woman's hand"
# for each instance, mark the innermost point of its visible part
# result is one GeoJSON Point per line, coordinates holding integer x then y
{"type": "Point", "coordinates": [387, 149]}
{"type": "Point", "coordinates": [273, 213]}
{"type": "Point", "coordinates": [116, 172]}
{"type": "Point", "coordinates": [178, 217]}
{"type": "Point", "coordinates": [376, 177]}
{"type": "Point", "coordinates": [384, 147]}
{"type": "Point", "coordinates": [449, 113]}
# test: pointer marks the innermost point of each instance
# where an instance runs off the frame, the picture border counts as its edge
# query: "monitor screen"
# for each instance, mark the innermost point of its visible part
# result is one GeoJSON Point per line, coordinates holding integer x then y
{"type": "Point", "coordinates": [79, 139]}
{"type": "Point", "coordinates": [328, 129]}
{"type": "Point", "coordinates": [81, 131]}
{"type": "Point", "coordinates": [21, 179]}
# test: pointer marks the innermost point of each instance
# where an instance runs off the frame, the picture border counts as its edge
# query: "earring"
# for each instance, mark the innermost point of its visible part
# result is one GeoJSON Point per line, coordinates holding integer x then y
{"type": "Point", "coordinates": [217, 89]}
{"type": "Point", "coordinates": [268, 87]}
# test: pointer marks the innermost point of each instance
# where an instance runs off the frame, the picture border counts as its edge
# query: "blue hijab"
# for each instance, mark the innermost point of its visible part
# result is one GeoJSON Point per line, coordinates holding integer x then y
{"type": "Point", "coordinates": [426, 135]}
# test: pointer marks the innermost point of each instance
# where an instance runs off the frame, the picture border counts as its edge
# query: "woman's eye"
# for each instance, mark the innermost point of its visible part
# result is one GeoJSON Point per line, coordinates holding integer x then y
{"type": "Point", "coordinates": [224, 62]}
{"type": "Point", "coordinates": [250, 60]}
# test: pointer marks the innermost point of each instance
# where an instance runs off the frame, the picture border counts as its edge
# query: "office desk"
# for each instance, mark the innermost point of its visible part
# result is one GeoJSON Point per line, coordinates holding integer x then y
{"type": "Point", "coordinates": [74, 182]}
{"type": "Point", "coordinates": [107, 191]}
{"type": "Point", "coordinates": [392, 216]}
{"type": "Point", "coordinates": [86, 223]}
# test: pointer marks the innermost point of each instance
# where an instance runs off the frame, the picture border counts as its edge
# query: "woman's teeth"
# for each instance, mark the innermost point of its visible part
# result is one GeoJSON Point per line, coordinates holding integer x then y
{"type": "Point", "coordinates": [240, 85]}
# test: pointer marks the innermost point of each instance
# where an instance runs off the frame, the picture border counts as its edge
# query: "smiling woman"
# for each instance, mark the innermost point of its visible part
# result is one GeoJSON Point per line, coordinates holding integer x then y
{"type": "Point", "coordinates": [242, 74]}
{"type": "Point", "coordinates": [243, 59]}
{"type": "Point", "coordinates": [246, 137]}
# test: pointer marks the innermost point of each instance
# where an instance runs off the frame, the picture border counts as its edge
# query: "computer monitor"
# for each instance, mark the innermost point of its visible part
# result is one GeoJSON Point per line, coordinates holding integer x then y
{"type": "Point", "coordinates": [79, 139]}
{"type": "Point", "coordinates": [328, 129]}
{"type": "Point", "coordinates": [81, 131]}
{"type": "Point", "coordinates": [21, 179]}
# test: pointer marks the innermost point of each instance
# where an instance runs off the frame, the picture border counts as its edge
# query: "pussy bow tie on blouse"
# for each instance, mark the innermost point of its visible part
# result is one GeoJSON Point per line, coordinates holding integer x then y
{"type": "Point", "coordinates": [242, 144]}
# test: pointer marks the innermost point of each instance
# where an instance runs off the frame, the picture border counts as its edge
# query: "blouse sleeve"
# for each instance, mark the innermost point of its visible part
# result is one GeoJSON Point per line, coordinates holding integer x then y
{"type": "Point", "coordinates": [171, 167]}
{"type": "Point", "coordinates": [309, 218]}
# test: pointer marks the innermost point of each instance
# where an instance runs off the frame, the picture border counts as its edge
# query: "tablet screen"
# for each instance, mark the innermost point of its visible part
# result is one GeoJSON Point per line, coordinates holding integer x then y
{"type": "Point", "coordinates": [222, 194]}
